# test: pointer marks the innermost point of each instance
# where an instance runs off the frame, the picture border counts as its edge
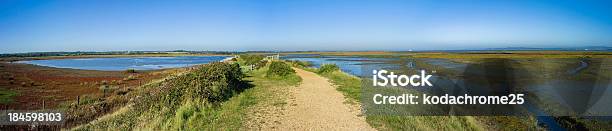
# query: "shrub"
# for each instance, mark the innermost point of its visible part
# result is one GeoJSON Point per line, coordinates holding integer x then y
{"type": "Point", "coordinates": [207, 84]}
{"type": "Point", "coordinates": [327, 68]}
{"type": "Point", "coordinates": [213, 82]}
{"type": "Point", "coordinates": [130, 71]}
{"type": "Point", "coordinates": [251, 59]}
{"type": "Point", "coordinates": [300, 63]}
{"type": "Point", "coordinates": [279, 69]}
{"type": "Point", "coordinates": [260, 64]}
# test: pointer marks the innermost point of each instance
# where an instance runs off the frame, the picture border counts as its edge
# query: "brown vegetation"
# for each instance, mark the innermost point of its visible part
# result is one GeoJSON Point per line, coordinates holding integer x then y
{"type": "Point", "coordinates": [56, 86]}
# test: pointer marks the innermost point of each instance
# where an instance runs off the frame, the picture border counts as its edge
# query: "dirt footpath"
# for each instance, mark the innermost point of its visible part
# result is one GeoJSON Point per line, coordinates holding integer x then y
{"type": "Point", "coordinates": [317, 105]}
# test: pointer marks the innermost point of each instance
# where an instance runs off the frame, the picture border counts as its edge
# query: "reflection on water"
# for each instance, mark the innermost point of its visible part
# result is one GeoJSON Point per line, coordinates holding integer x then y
{"type": "Point", "coordinates": [124, 63]}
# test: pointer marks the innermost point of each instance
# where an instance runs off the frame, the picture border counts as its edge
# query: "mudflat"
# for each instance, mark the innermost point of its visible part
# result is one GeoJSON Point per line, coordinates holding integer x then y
{"type": "Point", "coordinates": [55, 86]}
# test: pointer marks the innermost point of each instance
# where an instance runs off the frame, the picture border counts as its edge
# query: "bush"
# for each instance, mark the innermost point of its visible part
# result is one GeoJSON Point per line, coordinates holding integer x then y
{"type": "Point", "coordinates": [251, 59]}
{"type": "Point", "coordinates": [130, 71]}
{"type": "Point", "coordinates": [214, 82]}
{"type": "Point", "coordinates": [260, 64]}
{"type": "Point", "coordinates": [209, 83]}
{"type": "Point", "coordinates": [300, 63]}
{"type": "Point", "coordinates": [327, 68]}
{"type": "Point", "coordinates": [279, 69]}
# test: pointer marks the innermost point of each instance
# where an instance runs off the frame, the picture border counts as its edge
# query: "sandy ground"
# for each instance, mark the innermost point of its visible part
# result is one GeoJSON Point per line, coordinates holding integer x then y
{"type": "Point", "coordinates": [316, 105]}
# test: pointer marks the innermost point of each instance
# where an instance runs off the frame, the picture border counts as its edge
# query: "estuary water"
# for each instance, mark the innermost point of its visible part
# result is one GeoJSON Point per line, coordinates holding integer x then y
{"type": "Point", "coordinates": [351, 65]}
{"type": "Point", "coordinates": [124, 63]}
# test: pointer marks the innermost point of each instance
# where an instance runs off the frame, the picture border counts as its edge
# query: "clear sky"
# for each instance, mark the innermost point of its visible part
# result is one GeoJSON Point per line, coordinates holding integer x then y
{"type": "Point", "coordinates": [231, 25]}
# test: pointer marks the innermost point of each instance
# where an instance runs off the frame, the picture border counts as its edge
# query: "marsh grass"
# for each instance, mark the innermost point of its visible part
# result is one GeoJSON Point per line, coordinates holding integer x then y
{"type": "Point", "coordinates": [513, 54]}
{"type": "Point", "coordinates": [6, 96]}
{"type": "Point", "coordinates": [130, 77]}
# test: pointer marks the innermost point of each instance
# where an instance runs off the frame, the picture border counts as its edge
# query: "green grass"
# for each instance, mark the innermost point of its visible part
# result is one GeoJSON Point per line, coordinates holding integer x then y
{"type": "Point", "coordinates": [232, 114]}
{"type": "Point", "coordinates": [349, 85]}
{"type": "Point", "coordinates": [6, 96]}
{"type": "Point", "coordinates": [425, 123]}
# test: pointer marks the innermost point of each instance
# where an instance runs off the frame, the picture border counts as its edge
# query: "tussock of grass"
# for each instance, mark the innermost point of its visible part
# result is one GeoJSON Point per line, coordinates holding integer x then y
{"type": "Point", "coordinates": [328, 68]}
{"type": "Point", "coordinates": [6, 96]}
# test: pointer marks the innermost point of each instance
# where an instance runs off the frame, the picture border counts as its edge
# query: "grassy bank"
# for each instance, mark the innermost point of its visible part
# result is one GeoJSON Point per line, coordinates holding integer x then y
{"type": "Point", "coordinates": [216, 96]}
{"type": "Point", "coordinates": [178, 102]}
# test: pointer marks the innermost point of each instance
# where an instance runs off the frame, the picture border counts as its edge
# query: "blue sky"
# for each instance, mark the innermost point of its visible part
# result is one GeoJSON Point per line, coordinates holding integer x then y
{"type": "Point", "coordinates": [232, 25]}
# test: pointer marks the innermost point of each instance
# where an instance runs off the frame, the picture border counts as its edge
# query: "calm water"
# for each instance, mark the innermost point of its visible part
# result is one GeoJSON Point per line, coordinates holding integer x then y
{"type": "Point", "coordinates": [351, 65]}
{"type": "Point", "coordinates": [120, 64]}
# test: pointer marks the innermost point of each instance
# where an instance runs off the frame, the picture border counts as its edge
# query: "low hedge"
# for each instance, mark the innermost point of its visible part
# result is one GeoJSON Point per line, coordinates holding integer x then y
{"type": "Point", "coordinates": [251, 59]}
{"type": "Point", "coordinates": [278, 68]}
{"type": "Point", "coordinates": [327, 68]}
{"type": "Point", "coordinates": [300, 63]}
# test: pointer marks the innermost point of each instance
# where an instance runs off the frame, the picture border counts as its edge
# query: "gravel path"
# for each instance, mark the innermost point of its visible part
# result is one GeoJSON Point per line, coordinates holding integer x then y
{"type": "Point", "coordinates": [316, 105]}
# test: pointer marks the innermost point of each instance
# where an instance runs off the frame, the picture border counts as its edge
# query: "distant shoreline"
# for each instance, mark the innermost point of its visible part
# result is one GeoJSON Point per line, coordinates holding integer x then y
{"type": "Point", "coordinates": [12, 59]}
{"type": "Point", "coordinates": [416, 54]}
